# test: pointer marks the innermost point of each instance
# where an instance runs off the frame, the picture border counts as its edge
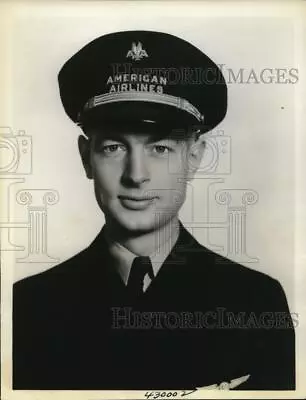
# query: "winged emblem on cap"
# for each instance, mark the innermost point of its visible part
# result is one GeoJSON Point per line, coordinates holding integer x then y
{"type": "Point", "coordinates": [137, 52]}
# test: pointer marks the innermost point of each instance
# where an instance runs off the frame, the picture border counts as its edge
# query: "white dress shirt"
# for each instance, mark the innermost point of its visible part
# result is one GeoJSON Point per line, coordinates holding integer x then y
{"type": "Point", "coordinates": [123, 258]}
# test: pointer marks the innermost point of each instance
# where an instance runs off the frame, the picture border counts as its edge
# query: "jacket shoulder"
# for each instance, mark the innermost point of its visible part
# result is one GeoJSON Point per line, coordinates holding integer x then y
{"type": "Point", "coordinates": [59, 275]}
{"type": "Point", "coordinates": [202, 261]}
{"type": "Point", "coordinates": [233, 280]}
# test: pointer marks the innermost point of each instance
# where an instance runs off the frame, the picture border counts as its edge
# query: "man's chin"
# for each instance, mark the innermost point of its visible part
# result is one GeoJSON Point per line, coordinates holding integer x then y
{"type": "Point", "coordinates": [138, 225]}
{"type": "Point", "coordinates": [137, 222]}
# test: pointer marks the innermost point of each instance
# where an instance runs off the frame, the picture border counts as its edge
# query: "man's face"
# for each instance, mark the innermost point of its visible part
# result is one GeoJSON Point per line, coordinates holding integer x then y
{"type": "Point", "coordinates": [140, 179]}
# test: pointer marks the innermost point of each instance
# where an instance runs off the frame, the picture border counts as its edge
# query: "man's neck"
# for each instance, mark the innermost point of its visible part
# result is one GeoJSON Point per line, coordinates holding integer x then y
{"type": "Point", "coordinates": [148, 243]}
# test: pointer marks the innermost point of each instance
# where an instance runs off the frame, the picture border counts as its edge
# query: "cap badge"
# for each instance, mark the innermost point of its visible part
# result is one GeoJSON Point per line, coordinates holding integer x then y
{"type": "Point", "coordinates": [137, 52]}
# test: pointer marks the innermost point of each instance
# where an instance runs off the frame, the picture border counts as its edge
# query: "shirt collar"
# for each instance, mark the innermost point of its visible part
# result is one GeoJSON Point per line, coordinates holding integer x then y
{"type": "Point", "coordinates": [123, 258]}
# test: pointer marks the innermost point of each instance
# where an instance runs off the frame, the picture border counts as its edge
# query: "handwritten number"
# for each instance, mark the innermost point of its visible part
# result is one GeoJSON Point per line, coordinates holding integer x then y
{"type": "Point", "coordinates": [157, 395]}
{"type": "Point", "coordinates": [185, 393]}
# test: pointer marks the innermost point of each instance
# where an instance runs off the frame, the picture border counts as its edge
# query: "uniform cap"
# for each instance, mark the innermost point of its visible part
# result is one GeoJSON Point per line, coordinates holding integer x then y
{"type": "Point", "coordinates": [143, 77]}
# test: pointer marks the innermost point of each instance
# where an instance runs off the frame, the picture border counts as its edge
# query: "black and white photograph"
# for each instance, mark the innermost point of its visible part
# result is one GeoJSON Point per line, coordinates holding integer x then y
{"type": "Point", "coordinates": [152, 200]}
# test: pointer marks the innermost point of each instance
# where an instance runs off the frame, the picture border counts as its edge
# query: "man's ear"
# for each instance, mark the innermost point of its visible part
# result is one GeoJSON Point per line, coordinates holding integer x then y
{"type": "Point", "coordinates": [84, 149]}
{"type": "Point", "coordinates": [195, 155]}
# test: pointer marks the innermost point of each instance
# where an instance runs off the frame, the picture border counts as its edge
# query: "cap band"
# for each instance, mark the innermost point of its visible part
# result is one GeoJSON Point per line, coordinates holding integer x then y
{"type": "Point", "coordinates": [166, 99]}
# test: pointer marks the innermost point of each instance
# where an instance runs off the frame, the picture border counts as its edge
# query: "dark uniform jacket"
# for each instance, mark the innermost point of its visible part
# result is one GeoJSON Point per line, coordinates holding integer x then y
{"type": "Point", "coordinates": [75, 327]}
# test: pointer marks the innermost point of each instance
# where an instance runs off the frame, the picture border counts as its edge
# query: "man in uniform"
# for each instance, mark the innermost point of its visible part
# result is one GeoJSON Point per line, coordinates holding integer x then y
{"type": "Point", "coordinates": [145, 306]}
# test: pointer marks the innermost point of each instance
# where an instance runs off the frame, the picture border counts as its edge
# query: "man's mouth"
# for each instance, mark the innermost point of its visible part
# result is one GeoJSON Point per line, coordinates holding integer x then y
{"type": "Point", "coordinates": [136, 198]}
{"type": "Point", "coordinates": [137, 202]}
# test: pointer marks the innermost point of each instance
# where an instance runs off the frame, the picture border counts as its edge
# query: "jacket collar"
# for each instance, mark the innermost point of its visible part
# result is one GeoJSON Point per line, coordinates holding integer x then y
{"type": "Point", "coordinates": [185, 246]}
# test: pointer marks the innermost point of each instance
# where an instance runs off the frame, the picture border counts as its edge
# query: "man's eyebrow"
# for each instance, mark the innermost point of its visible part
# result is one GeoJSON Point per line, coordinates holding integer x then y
{"type": "Point", "coordinates": [100, 137]}
{"type": "Point", "coordinates": [122, 137]}
{"type": "Point", "coordinates": [155, 139]}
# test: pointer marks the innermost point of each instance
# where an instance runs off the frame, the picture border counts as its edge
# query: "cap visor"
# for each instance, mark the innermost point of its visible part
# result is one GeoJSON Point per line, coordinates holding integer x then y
{"type": "Point", "coordinates": [131, 113]}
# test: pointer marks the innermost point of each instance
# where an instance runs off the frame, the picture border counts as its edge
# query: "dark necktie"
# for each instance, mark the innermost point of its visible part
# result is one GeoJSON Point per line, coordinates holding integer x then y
{"type": "Point", "coordinates": [140, 267]}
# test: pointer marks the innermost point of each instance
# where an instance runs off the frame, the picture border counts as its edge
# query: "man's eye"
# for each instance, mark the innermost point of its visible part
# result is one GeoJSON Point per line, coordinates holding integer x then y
{"type": "Point", "coordinates": [112, 149]}
{"type": "Point", "coordinates": [159, 149]}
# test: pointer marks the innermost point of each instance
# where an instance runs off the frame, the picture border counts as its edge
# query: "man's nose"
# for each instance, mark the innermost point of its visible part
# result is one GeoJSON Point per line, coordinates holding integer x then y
{"type": "Point", "coordinates": [136, 168]}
